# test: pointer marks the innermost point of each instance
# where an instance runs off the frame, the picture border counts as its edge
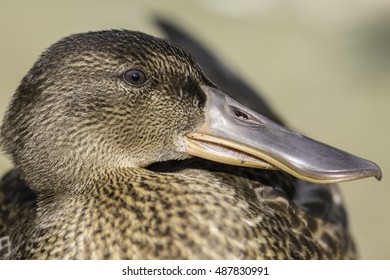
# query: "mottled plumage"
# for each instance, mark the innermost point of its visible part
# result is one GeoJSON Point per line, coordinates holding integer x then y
{"type": "Point", "coordinates": [207, 212]}
{"type": "Point", "coordinates": [102, 173]}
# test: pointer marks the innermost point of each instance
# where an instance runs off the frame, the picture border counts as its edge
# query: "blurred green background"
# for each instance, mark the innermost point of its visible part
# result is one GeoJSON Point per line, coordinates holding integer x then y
{"type": "Point", "coordinates": [323, 65]}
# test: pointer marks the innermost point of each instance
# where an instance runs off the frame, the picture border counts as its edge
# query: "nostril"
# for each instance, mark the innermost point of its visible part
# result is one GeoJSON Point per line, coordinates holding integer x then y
{"type": "Point", "coordinates": [241, 114]}
{"type": "Point", "coordinates": [246, 118]}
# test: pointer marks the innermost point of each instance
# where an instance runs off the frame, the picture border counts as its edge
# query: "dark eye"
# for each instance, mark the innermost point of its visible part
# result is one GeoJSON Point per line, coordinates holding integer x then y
{"type": "Point", "coordinates": [134, 77]}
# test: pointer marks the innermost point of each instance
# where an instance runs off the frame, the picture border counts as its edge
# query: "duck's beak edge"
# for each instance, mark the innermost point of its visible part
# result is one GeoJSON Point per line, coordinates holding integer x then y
{"type": "Point", "coordinates": [235, 135]}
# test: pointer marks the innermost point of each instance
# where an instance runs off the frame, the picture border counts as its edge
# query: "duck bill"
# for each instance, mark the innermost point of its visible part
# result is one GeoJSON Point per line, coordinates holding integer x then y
{"type": "Point", "coordinates": [236, 135]}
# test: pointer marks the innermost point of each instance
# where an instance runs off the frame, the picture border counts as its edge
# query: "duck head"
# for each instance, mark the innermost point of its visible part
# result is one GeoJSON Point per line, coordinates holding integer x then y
{"type": "Point", "coordinates": [113, 99]}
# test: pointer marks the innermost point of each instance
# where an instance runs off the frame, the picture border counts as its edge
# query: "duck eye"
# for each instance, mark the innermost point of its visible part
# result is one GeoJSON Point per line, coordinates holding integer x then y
{"type": "Point", "coordinates": [134, 77]}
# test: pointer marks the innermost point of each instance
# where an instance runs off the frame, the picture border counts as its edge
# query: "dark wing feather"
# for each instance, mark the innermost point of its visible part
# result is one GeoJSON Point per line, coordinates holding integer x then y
{"type": "Point", "coordinates": [16, 200]}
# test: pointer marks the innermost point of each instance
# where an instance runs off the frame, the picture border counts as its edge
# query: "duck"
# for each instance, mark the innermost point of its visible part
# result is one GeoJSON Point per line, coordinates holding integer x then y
{"type": "Point", "coordinates": [124, 149]}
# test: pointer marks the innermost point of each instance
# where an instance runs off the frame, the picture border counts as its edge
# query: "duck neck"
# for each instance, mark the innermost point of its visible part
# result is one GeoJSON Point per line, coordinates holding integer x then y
{"type": "Point", "coordinates": [53, 179]}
